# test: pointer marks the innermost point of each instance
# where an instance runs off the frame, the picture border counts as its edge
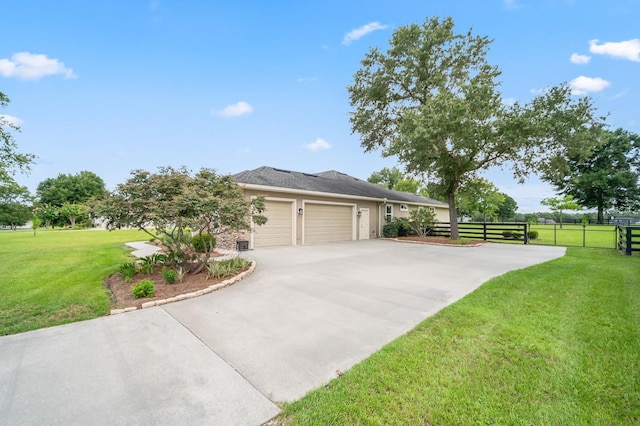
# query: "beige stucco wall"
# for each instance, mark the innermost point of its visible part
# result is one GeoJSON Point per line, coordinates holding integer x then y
{"type": "Point", "coordinates": [300, 200]}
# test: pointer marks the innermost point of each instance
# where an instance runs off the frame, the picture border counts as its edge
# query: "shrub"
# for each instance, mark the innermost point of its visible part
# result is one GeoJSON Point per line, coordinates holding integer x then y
{"type": "Point", "coordinates": [404, 227]}
{"type": "Point", "coordinates": [390, 229]}
{"type": "Point", "coordinates": [532, 235]}
{"type": "Point", "coordinates": [127, 270]}
{"type": "Point", "coordinates": [145, 288]}
{"type": "Point", "coordinates": [169, 275]}
{"type": "Point", "coordinates": [421, 220]}
{"type": "Point", "coordinates": [203, 241]}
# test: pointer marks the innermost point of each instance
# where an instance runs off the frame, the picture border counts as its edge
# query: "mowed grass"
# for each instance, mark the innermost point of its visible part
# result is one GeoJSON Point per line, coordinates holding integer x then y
{"type": "Point", "coordinates": [603, 236]}
{"type": "Point", "coordinates": [57, 277]}
{"type": "Point", "coordinates": [553, 344]}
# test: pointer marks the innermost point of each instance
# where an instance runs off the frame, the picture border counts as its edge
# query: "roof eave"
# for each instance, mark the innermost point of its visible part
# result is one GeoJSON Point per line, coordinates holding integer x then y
{"type": "Point", "coordinates": [330, 194]}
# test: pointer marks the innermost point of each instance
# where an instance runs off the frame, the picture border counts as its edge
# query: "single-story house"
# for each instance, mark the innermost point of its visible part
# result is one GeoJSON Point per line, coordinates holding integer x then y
{"type": "Point", "coordinates": [309, 208]}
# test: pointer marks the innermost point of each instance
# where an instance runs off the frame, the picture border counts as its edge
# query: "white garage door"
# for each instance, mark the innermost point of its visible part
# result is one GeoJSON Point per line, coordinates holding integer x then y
{"type": "Point", "coordinates": [324, 223]}
{"type": "Point", "coordinates": [278, 231]}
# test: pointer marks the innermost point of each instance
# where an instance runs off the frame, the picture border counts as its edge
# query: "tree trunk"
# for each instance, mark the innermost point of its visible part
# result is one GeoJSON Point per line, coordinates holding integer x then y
{"type": "Point", "coordinates": [453, 216]}
{"type": "Point", "coordinates": [600, 214]}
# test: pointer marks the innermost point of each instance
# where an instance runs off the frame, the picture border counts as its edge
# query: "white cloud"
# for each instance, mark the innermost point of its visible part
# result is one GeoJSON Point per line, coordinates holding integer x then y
{"type": "Point", "coordinates": [584, 85]}
{"type": "Point", "coordinates": [307, 79]}
{"type": "Point", "coordinates": [10, 119]}
{"type": "Point", "coordinates": [234, 110]}
{"type": "Point", "coordinates": [362, 31]}
{"type": "Point", "coordinates": [629, 49]}
{"type": "Point", "coordinates": [512, 4]}
{"type": "Point", "coordinates": [580, 59]}
{"type": "Point", "coordinates": [30, 66]}
{"type": "Point", "coordinates": [509, 101]}
{"type": "Point", "coordinates": [318, 145]}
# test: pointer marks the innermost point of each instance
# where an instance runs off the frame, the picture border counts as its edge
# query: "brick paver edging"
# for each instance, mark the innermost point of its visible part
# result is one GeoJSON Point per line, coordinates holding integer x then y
{"type": "Point", "coordinates": [191, 295]}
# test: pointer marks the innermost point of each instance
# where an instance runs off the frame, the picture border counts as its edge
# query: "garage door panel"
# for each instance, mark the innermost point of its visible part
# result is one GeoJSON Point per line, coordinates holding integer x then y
{"type": "Point", "coordinates": [325, 223]}
{"type": "Point", "coordinates": [278, 231]}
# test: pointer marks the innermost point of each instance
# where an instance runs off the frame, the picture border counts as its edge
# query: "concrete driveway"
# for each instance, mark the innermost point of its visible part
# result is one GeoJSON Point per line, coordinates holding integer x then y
{"type": "Point", "coordinates": [224, 358]}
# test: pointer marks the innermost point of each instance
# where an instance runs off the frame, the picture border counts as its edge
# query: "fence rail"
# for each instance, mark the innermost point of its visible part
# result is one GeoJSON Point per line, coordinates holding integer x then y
{"type": "Point", "coordinates": [485, 231]}
{"type": "Point", "coordinates": [629, 239]}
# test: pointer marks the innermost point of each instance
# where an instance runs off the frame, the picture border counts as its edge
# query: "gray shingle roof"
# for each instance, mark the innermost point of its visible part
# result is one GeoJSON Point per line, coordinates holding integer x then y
{"type": "Point", "coordinates": [330, 182]}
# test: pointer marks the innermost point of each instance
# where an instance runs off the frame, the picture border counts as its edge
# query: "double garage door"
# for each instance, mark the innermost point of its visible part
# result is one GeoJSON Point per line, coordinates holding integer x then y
{"type": "Point", "coordinates": [321, 223]}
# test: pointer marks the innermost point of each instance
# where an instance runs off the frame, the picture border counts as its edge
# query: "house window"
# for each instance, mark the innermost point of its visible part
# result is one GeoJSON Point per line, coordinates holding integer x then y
{"type": "Point", "coordinates": [388, 212]}
{"type": "Point", "coordinates": [404, 208]}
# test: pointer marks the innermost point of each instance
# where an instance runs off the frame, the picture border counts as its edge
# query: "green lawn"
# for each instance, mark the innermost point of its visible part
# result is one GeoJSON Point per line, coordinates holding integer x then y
{"type": "Point", "coordinates": [553, 344]}
{"type": "Point", "coordinates": [602, 236]}
{"type": "Point", "coordinates": [57, 277]}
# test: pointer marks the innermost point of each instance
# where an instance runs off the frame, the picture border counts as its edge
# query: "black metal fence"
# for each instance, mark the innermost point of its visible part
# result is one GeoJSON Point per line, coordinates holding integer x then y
{"type": "Point", "coordinates": [629, 239]}
{"type": "Point", "coordinates": [485, 231]}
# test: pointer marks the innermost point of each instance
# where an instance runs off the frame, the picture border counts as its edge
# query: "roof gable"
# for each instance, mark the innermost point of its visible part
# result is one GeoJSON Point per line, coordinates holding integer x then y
{"type": "Point", "coordinates": [330, 182]}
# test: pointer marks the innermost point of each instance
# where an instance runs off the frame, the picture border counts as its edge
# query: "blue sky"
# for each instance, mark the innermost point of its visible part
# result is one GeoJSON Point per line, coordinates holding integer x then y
{"type": "Point", "coordinates": [115, 86]}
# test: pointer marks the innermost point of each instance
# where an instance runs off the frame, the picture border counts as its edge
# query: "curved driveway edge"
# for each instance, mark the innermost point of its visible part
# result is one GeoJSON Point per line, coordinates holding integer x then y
{"type": "Point", "coordinates": [308, 311]}
{"type": "Point", "coordinates": [222, 358]}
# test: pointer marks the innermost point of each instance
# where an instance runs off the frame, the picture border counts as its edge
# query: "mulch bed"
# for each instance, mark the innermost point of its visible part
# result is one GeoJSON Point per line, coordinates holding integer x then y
{"type": "Point", "coordinates": [122, 296]}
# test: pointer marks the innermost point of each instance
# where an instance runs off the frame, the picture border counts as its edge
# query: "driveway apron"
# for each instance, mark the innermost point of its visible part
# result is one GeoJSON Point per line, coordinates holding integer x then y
{"type": "Point", "coordinates": [304, 315]}
{"type": "Point", "coordinates": [309, 312]}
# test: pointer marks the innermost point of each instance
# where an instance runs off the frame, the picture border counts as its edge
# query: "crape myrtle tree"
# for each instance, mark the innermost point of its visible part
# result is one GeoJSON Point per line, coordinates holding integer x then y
{"type": "Point", "coordinates": [178, 207]}
{"type": "Point", "coordinates": [10, 160]}
{"type": "Point", "coordinates": [609, 178]}
{"type": "Point", "coordinates": [432, 101]}
{"type": "Point", "coordinates": [560, 205]}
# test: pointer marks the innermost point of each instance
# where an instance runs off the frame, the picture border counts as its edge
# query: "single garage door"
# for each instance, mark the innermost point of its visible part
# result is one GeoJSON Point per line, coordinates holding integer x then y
{"type": "Point", "coordinates": [278, 231]}
{"type": "Point", "coordinates": [324, 223]}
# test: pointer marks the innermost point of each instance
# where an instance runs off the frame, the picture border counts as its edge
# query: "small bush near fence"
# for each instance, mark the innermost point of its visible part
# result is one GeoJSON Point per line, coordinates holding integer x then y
{"type": "Point", "coordinates": [533, 235]}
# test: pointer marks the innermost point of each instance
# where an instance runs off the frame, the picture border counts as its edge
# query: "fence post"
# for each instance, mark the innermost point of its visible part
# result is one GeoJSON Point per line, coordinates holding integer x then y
{"type": "Point", "coordinates": [526, 234]}
{"type": "Point", "coordinates": [628, 246]}
{"type": "Point", "coordinates": [555, 238]}
{"type": "Point", "coordinates": [484, 231]}
{"type": "Point", "coordinates": [584, 235]}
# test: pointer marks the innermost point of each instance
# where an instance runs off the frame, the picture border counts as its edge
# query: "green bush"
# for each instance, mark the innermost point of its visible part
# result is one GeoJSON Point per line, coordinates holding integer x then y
{"type": "Point", "coordinates": [398, 227]}
{"type": "Point", "coordinates": [169, 275]}
{"type": "Point", "coordinates": [390, 230]}
{"type": "Point", "coordinates": [145, 288]}
{"type": "Point", "coordinates": [127, 270]}
{"type": "Point", "coordinates": [533, 235]}
{"type": "Point", "coordinates": [203, 241]}
{"type": "Point", "coordinates": [404, 227]}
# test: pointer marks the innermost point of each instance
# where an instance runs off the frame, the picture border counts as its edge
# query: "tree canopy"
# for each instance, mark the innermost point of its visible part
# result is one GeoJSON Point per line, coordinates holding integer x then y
{"type": "Point", "coordinates": [608, 178]}
{"type": "Point", "coordinates": [11, 161]}
{"type": "Point", "coordinates": [432, 101]}
{"type": "Point", "coordinates": [176, 206]}
{"type": "Point", "coordinates": [479, 198]}
{"type": "Point", "coordinates": [68, 188]}
{"type": "Point", "coordinates": [560, 205]}
{"type": "Point", "coordinates": [394, 178]}
{"type": "Point", "coordinates": [15, 203]}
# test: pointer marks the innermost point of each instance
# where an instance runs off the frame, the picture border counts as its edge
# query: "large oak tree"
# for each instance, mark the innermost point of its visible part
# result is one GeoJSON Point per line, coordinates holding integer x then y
{"type": "Point", "coordinates": [608, 178]}
{"type": "Point", "coordinates": [432, 100]}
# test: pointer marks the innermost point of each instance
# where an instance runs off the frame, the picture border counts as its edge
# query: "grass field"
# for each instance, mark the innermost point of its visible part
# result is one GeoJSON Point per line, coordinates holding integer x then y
{"type": "Point", "coordinates": [57, 277]}
{"type": "Point", "coordinates": [602, 236]}
{"type": "Point", "coordinates": [553, 344]}
{"type": "Point", "coordinates": [596, 236]}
